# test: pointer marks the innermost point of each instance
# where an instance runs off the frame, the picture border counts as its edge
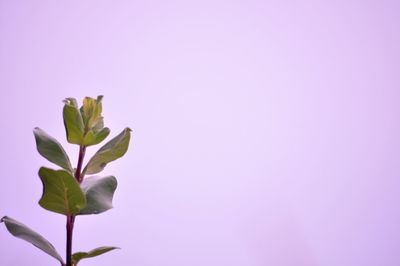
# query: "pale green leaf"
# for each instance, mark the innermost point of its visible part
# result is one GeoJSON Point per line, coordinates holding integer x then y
{"type": "Point", "coordinates": [91, 111]}
{"type": "Point", "coordinates": [73, 122]}
{"type": "Point", "coordinates": [99, 125]}
{"type": "Point", "coordinates": [99, 192]}
{"type": "Point", "coordinates": [76, 257]}
{"type": "Point", "coordinates": [61, 192]}
{"type": "Point", "coordinates": [111, 151]}
{"type": "Point", "coordinates": [92, 138]}
{"type": "Point", "coordinates": [51, 149]}
{"type": "Point", "coordinates": [21, 231]}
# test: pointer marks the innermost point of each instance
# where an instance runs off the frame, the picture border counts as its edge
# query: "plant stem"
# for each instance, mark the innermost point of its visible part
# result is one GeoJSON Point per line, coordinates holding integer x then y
{"type": "Point", "coordinates": [70, 229]}
{"type": "Point", "coordinates": [71, 218]}
{"type": "Point", "coordinates": [78, 173]}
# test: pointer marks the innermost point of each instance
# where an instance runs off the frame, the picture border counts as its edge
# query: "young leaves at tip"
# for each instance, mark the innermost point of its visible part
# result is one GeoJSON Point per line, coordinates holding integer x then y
{"type": "Point", "coordinates": [21, 231]}
{"type": "Point", "coordinates": [84, 126]}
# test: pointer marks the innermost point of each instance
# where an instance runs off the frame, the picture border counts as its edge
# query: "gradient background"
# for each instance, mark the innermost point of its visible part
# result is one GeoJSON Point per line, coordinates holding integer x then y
{"type": "Point", "coordinates": [265, 133]}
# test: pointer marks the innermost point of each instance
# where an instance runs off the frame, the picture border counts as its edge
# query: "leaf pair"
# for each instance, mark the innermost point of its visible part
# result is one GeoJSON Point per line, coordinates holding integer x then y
{"type": "Point", "coordinates": [64, 195]}
{"type": "Point", "coordinates": [21, 231]}
{"type": "Point", "coordinates": [52, 150]}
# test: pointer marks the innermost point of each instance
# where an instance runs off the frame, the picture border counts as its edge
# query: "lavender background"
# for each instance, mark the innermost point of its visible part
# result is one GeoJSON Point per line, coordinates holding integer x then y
{"type": "Point", "coordinates": [264, 132]}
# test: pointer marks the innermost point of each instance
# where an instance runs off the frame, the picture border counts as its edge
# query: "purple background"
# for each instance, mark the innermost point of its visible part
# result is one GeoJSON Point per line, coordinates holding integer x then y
{"type": "Point", "coordinates": [264, 132]}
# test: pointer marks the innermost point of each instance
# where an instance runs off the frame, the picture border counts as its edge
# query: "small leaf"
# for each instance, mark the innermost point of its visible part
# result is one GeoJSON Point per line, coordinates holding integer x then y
{"type": "Point", "coordinates": [73, 122]}
{"type": "Point", "coordinates": [98, 125]}
{"type": "Point", "coordinates": [94, 132]}
{"type": "Point", "coordinates": [91, 111]}
{"type": "Point", "coordinates": [100, 135]}
{"type": "Point", "coordinates": [95, 138]}
{"type": "Point", "coordinates": [61, 192]}
{"type": "Point", "coordinates": [21, 231]}
{"type": "Point", "coordinates": [76, 257]}
{"type": "Point", "coordinates": [111, 151]}
{"type": "Point", "coordinates": [99, 192]}
{"type": "Point", "coordinates": [51, 149]}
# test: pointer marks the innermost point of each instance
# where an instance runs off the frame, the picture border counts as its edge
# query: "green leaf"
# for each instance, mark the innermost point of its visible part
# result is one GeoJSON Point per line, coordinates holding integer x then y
{"type": "Point", "coordinates": [73, 121]}
{"type": "Point", "coordinates": [91, 111]}
{"type": "Point", "coordinates": [99, 192]}
{"type": "Point", "coordinates": [76, 257]}
{"type": "Point", "coordinates": [95, 138]}
{"type": "Point", "coordinates": [61, 192]}
{"type": "Point", "coordinates": [51, 149]}
{"type": "Point", "coordinates": [111, 151]}
{"type": "Point", "coordinates": [21, 231]}
{"type": "Point", "coordinates": [98, 125]}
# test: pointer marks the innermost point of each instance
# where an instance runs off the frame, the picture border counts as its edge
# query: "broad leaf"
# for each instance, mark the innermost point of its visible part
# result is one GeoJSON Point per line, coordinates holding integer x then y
{"type": "Point", "coordinates": [111, 151]}
{"type": "Point", "coordinates": [73, 122]}
{"type": "Point", "coordinates": [51, 149]}
{"type": "Point", "coordinates": [61, 192]}
{"type": "Point", "coordinates": [76, 257]}
{"type": "Point", "coordinates": [99, 193]}
{"type": "Point", "coordinates": [21, 231]}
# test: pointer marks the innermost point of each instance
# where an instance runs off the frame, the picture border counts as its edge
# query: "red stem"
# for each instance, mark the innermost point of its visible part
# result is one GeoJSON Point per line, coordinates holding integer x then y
{"type": "Point", "coordinates": [71, 218]}
{"type": "Point", "coordinates": [70, 228]}
{"type": "Point", "coordinates": [78, 173]}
